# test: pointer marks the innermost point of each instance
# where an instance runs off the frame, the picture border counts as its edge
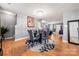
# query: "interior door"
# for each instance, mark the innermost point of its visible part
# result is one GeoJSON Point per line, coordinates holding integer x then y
{"type": "Point", "coordinates": [58, 28]}
{"type": "Point", "coordinates": [73, 32]}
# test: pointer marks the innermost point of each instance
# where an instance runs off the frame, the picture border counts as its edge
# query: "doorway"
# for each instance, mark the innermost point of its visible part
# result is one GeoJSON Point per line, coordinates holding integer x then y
{"type": "Point", "coordinates": [57, 27]}
{"type": "Point", "coordinates": [73, 31]}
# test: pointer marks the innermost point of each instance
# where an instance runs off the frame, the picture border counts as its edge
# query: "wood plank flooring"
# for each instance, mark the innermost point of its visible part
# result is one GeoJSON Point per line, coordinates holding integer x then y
{"type": "Point", "coordinates": [18, 48]}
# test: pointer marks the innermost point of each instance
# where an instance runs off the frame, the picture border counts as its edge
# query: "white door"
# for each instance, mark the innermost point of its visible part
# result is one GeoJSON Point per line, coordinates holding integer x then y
{"type": "Point", "coordinates": [58, 27]}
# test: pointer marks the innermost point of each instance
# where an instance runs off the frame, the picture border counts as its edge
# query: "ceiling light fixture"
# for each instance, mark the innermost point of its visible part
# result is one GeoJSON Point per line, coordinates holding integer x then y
{"type": "Point", "coordinates": [40, 13]}
{"type": "Point", "coordinates": [43, 21]}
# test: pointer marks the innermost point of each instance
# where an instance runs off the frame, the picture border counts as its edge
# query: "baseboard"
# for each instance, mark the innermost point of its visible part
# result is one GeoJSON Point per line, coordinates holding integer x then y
{"type": "Point", "coordinates": [65, 41]}
{"type": "Point", "coordinates": [21, 38]}
{"type": "Point", "coordinates": [9, 38]}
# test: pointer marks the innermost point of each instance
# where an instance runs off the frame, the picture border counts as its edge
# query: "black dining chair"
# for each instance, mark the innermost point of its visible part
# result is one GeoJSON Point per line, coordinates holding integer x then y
{"type": "Point", "coordinates": [30, 41]}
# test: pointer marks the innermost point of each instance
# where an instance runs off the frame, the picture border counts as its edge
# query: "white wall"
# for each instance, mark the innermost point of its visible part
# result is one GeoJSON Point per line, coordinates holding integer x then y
{"type": "Point", "coordinates": [21, 26]}
{"type": "Point", "coordinates": [70, 15]}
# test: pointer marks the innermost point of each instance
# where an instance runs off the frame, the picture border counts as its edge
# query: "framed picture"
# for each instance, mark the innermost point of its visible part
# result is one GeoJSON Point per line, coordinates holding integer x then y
{"type": "Point", "coordinates": [30, 21]}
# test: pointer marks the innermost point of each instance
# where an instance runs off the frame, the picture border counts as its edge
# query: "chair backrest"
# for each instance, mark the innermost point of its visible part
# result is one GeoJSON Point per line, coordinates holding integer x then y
{"type": "Point", "coordinates": [44, 34]}
{"type": "Point", "coordinates": [30, 34]}
{"type": "Point", "coordinates": [48, 31]}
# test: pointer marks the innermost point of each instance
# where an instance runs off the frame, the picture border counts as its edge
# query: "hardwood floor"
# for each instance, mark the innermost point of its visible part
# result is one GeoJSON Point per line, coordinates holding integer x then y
{"type": "Point", "coordinates": [18, 48]}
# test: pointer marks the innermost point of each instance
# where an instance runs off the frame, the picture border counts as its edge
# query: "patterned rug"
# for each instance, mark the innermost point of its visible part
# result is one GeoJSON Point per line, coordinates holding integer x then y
{"type": "Point", "coordinates": [40, 46]}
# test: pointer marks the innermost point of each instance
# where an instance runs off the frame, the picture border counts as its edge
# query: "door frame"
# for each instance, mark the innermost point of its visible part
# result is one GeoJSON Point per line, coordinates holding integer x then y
{"type": "Point", "coordinates": [69, 31]}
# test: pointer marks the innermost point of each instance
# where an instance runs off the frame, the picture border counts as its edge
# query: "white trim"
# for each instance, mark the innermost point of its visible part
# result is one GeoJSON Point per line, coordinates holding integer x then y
{"type": "Point", "coordinates": [21, 38]}
{"type": "Point", "coordinates": [9, 38]}
{"type": "Point", "coordinates": [65, 41]}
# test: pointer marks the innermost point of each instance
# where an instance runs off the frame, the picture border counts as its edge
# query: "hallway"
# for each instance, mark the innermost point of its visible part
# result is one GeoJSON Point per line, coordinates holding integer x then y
{"type": "Point", "coordinates": [18, 48]}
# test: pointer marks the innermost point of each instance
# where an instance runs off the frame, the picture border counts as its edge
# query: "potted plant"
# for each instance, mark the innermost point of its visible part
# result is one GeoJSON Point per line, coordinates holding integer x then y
{"type": "Point", "coordinates": [3, 30]}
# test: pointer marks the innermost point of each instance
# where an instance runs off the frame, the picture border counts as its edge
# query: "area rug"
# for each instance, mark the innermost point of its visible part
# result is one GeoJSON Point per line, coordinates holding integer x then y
{"type": "Point", "coordinates": [39, 46]}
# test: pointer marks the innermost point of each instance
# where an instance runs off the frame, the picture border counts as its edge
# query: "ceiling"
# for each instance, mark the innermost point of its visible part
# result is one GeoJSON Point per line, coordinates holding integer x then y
{"type": "Point", "coordinates": [53, 11]}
